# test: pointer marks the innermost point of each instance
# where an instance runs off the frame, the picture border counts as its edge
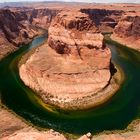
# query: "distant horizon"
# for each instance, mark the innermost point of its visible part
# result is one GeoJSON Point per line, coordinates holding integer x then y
{"type": "Point", "coordinates": [82, 1]}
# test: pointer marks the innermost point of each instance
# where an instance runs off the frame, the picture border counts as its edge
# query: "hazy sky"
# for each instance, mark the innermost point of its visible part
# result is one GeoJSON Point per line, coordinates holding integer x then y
{"type": "Point", "coordinates": [97, 1]}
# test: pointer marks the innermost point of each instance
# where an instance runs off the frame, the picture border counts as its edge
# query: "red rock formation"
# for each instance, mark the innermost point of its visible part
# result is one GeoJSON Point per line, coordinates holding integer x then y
{"type": "Point", "coordinates": [42, 17]}
{"type": "Point", "coordinates": [15, 26]}
{"type": "Point", "coordinates": [5, 46]}
{"type": "Point", "coordinates": [105, 19]}
{"type": "Point", "coordinates": [15, 30]}
{"type": "Point", "coordinates": [127, 31]}
{"type": "Point", "coordinates": [74, 67]}
{"type": "Point", "coordinates": [18, 26]}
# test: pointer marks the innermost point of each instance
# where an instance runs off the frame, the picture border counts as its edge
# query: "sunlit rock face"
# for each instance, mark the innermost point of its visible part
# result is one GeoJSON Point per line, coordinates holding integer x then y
{"type": "Point", "coordinates": [127, 31]}
{"type": "Point", "coordinates": [74, 64]}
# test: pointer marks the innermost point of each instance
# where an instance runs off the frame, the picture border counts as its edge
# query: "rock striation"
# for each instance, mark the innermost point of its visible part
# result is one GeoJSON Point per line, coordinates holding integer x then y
{"type": "Point", "coordinates": [105, 19]}
{"type": "Point", "coordinates": [42, 17]}
{"type": "Point", "coordinates": [15, 30]}
{"type": "Point", "coordinates": [20, 25]}
{"type": "Point", "coordinates": [71, 70]}
{"type": "Point", "coordinates": [127, 32]}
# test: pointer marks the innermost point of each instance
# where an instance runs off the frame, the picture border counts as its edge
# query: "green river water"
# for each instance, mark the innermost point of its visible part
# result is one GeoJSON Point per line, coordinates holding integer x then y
{"type": "Point", "coordinates": [116, 114]}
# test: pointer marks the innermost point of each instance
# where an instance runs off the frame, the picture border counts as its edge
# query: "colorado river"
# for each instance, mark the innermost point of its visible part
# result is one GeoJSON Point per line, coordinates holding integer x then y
{"type": "Point", "coordinates": [116, 114]}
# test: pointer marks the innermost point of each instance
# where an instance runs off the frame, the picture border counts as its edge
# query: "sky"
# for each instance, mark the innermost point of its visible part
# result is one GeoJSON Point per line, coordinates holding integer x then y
{"type": "Point", "coordinates": [89, 1]}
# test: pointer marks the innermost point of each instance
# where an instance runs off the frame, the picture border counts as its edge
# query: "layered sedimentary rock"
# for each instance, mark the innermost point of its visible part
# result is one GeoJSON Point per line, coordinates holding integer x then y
{"type": "Point", "coordinates": [73, 67]}
{"type": "Point", "coordinates": [127, 31]}
{"type": "Point", "coordinates": [105, 19]}
{"type": "Point", "coordinates": [15, 30]}
{"type": "Point", "coordinates": [42, 17]}
{"type": "Point", "coordinates": [20, 25]}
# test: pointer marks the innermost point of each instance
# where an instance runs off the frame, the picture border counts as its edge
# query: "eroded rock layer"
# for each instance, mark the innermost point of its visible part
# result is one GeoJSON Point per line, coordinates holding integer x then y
{"type": "Point", "coordinates": [20, 25]}
{"type": "Point", "coordinates": [105, 19]}
{"type": "Point", "coordinates": [127, 31]}
{"type": "Point", "coordinates": [73, 66]}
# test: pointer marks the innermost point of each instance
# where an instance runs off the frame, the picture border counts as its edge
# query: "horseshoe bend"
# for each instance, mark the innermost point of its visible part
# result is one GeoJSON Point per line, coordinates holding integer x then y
{"type": "Point", "coordinates": [72, 69]}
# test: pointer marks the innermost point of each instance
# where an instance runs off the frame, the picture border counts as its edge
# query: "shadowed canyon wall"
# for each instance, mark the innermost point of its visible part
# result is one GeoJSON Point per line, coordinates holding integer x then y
{"type": "Point", "coordinates": [127, 31]}
{"type": "Point", "coordinates": [19, 26]}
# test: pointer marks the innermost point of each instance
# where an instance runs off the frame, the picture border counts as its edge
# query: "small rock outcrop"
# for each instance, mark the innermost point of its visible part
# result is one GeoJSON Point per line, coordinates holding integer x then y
{"type": "Point", "coordinates": [73, 66]}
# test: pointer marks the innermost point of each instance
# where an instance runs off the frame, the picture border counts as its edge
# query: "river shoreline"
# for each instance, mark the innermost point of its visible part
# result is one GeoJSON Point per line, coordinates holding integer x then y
{"type": "Point", "coordinates": [132, 125]}
{"type": "Point", "coordinates": [125, 42]}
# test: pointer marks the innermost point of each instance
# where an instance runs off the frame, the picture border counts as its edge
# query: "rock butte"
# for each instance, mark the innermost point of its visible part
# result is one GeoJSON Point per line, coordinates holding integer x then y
{"type": "Point", "coordinates": [72, 69]}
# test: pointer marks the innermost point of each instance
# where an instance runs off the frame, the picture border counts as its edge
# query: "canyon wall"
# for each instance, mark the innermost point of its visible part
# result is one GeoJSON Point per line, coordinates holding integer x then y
{"type": "Point", "coordinates": [20, 25]}
{"type": "Point", "coordinates": [105, 19]}
{"type": "Point", "coordinates": [127, 32]}
{"type": "Point", "coordinates": [15, 30]}
{"type": "Point", "coordinates": [42, 17]}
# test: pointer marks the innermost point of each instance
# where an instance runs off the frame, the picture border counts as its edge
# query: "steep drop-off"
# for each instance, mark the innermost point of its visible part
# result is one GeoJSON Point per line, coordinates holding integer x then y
{"type": "Point", "coordinates": [105, 19]}
{"type": "Point", "coordinates": [20, 25]}
{"type": "Point", "coordinates": [127, 31]}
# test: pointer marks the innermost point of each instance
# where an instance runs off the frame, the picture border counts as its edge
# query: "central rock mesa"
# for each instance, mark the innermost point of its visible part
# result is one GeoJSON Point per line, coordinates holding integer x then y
{"type": "Point", "coordinates": [72, 69]}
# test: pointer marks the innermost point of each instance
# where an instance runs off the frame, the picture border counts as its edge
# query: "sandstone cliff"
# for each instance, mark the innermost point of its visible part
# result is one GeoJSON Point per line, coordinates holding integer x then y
{"type": "Point", "coordinates": [42, 17]}
{"type": "Point", "coordinates": [73, 66]}
{"type": "Point", "coordinates": [20, 25]}
{"type": "Point", "coordinates": [127, 31]}
{"type": "Point", "coordinates": [105, 19]}
{"type": "Point", "coordinates": [15, 30]}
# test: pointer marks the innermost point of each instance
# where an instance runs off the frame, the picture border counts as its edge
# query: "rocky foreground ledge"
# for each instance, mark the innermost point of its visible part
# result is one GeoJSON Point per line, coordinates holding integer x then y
{"type": "Point", "coordinates": [72, 69]}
